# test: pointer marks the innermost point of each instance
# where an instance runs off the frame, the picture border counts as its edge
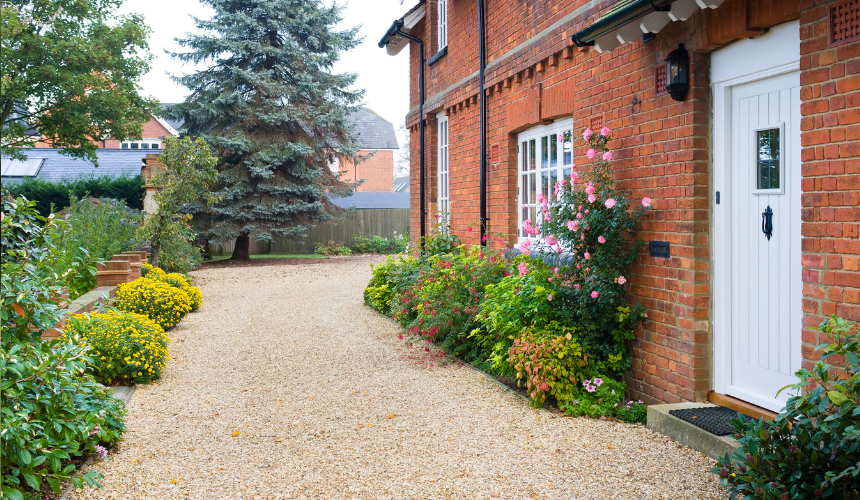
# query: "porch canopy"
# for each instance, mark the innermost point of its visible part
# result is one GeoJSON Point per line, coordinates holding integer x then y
{"type": "Point", "coordinates": [628, 20]}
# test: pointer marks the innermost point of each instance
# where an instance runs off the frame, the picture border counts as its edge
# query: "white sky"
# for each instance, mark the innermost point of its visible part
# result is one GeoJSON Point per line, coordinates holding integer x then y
{"type": "Point", "coordinates": [384, 78]}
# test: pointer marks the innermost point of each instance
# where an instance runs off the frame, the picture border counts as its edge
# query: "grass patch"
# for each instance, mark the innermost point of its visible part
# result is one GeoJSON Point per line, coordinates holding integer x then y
{"type": "Point", "coordinates": [276, 256]}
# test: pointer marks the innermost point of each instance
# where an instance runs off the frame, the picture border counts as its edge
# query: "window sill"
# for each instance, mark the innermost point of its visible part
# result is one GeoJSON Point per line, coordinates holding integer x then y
{"type": "Point", "coordinates": [438, 55]}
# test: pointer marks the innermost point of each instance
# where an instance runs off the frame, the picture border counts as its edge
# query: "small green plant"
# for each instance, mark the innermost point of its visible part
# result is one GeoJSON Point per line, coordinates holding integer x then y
{"type": "Point", "coordinates": [812, 449]}
{"type": "Point", "coordinates": [125, 348]}
{"type": "Point", "coordinates": [596, 397]}
{"type": "Point", "coordinates": [160, 302]}
{"type": "Point", "coordinates": [331, 249]}
{"type": "Point", "coordinates": [549, 360]}
{"type": "Point", "coordinates": [634, 412]}
{"type": "Point", "coordinates": [379, 244]}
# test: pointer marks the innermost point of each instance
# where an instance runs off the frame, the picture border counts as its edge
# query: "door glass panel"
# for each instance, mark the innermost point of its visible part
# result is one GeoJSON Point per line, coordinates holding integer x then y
{"type": "Point", "coordinates": [767, 159]}
{"type": "Point", "coordinates": [553, 150]}
{"type": "Point", "coordinates": [544, 153]}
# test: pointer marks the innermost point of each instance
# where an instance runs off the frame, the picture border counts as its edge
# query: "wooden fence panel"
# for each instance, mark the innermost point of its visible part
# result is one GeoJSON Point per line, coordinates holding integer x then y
{"type": "Point", "coordinates": [362, 222]}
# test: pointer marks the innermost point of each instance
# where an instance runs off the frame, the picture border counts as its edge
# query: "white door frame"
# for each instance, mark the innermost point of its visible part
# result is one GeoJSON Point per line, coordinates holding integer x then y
{"type": "Point", "coordinates": [722, 246]}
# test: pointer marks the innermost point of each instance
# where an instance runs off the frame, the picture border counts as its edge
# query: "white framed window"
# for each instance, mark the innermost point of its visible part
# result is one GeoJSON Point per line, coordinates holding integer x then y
{"type": "Point", "coordinates": [442, 24]}
{"type": "Point", "coordinates": [442, 172]}
{"type": "Point", "coordinates": [142, 144]}
{"type": "Point", "coordinates": [545, 156]}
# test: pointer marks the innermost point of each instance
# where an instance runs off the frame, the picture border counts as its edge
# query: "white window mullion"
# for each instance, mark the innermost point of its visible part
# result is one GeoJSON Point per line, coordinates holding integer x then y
{"type": "Point", "coordinates": [442, 167]}
{"type": "Point", "coordinates": [442, 25]}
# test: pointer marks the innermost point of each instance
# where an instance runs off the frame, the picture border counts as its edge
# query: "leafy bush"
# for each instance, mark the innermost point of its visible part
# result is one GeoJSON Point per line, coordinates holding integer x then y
{"type": "Point", "coordinates": [195, 296]}
{"type": "Point", "coordinates": [380, 289]}
{"type": "Point", "coordinates": [52, 410]}
{"type": "Point", "coordinates": [331, 248]}
{"type": "Point", "coordinates": [550, 360]}
{"type": "Point", "coordinates": [596, 397]}
{"type": "Point", "coordinates": [160, 302]}
{"type": "Point", "coordinates": [46, 193]}
{"type": "Point", "coordinates": [440, 240]}
{"type": "Point", "coordinates": [126, 348]}
{"type": "Point", "coordinates": [178, 253]}
{"type": "Point", "coordinates": [812, 449]}
{"type": "Point", "coordinates": [379, 244]}
{"type": "Point", "coordinates": [634, 412]}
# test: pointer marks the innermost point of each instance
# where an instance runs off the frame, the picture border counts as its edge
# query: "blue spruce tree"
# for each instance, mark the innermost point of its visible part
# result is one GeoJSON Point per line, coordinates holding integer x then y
{"type": "Point", "coordinates": [273, 111]}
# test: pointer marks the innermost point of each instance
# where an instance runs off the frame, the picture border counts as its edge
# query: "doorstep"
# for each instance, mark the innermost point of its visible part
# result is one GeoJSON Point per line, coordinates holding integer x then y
{"type": "Point", "coordinates": [688, 434]}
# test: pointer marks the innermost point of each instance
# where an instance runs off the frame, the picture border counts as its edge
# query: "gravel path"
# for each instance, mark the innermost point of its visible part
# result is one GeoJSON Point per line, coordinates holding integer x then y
{"type": "Point", "coordinates": [329, 404]}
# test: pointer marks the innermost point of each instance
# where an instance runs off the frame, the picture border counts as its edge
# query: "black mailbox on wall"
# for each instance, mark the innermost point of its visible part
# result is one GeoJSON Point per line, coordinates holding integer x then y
{"type": "Point", "coordinates": [658, 248]}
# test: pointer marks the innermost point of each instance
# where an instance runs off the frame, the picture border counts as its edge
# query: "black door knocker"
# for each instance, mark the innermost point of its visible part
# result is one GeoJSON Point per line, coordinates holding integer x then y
{"type": "Point", "coordinates": [767, 222]}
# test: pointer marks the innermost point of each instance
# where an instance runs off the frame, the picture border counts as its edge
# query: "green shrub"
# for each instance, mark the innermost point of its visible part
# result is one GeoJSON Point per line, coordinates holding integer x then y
{"type": "Point", "coordinates": [379, 244]}
{"type": "Point", "coordinates": [331, 248]}
{"type": "Point", "coordinates": [178, 253]}
{"type": "Point", "coordinates": [597, 397]}
{"type": "Point", "coordinates": [634, 412]}
{"type": "Point", "coordinates": [812, 449]}
{"type": "Point", "coordinates": [126, 348]}
{"type": "Point", "coordinates": [160, 302]}
{"type": "Point", "coordinates": [380, 289]}
{"type": "Point", "coordinates": [549, 360]}
{"type": "Point", "coordinates": [46, 193]}
{"type": "Point", "coordinates": [52, 411]}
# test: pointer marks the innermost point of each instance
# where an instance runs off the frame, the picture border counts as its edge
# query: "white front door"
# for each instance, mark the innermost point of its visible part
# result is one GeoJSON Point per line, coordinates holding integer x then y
{"type": "Point", "coordinates": [765, 234]}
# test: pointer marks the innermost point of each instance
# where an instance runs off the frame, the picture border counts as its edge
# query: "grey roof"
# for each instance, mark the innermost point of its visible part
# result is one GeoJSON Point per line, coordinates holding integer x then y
{"type": "Point", "coordinates": [112, 163]}
{"type": "Point", "coordinates": [373, 131]}
{"type": "Point", "coordinates": [401, 183]}
{"type": "Point", "coordinates": [176, 124]}
{"type": "Point", "coordinates": [373, 200]}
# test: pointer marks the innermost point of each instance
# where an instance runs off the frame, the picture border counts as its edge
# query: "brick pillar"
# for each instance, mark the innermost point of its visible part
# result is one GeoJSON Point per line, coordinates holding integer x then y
{"type": "Point", "coordinates": [113, 272]}
{"type": "Point", "coordinates": [151, 166]}
{"type": "Point", "coordinates": [134, 261]}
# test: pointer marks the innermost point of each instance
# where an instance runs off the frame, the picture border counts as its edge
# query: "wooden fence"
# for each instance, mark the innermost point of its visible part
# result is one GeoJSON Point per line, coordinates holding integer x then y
{"type": "Point", "coordinates": [367, 222]}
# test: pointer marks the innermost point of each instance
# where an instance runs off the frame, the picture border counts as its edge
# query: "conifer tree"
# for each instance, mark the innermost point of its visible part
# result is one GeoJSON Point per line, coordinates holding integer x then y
{"type": "Point", "coordinates": [274, 112]}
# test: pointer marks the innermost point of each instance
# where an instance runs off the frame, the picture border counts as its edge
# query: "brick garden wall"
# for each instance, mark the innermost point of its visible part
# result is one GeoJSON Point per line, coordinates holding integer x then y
{"type": "Point", "coordinates": [662, 149]}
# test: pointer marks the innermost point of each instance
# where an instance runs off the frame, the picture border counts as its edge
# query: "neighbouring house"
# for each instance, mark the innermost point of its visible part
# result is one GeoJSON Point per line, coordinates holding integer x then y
{"type": "Point", "coordinates": [48, 164]}
{"type": "Point", "coordinates": [152, 136]}
{"type": "Point", "coordinates": [377, 140]}
{"type": "Point", "coordinates": [760, 121]}
{"type": "Point", "coordinates": [401, 184]}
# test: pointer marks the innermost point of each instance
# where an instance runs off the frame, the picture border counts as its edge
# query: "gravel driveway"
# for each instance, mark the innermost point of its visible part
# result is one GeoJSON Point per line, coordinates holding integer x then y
{"type": "Point", "coordinates": [328, 403]}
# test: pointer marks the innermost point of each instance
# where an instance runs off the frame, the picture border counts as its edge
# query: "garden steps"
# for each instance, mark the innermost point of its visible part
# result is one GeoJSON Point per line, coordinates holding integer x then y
{"type": "Point", "coordinates": [82, 304]}
{"type": "Point", "coordinates": [659, 420]}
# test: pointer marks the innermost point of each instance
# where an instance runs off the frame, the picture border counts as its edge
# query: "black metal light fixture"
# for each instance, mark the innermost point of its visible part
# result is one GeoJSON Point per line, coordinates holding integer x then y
{"type": "Point", "coordinates": [678, 73]}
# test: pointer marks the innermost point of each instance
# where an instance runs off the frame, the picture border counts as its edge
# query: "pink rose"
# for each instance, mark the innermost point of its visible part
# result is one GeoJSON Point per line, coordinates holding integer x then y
{"type": "Point", "coordinates": [601, 239]}
{"type": "Point", "coordinates": [646, 202]}
{"type": "Point", "coordinates": [571, 225]}
{"type": "Point", "coordinates": [591, 153]}
{"type": "Point", "coordinates": [577, 286]}
{"type": "Point", "coordinates": [551, 240]}
{"type": "Point", "coordinates": [621, 280]}
{"type": "Point", "coordinates": [579, 215]}
{"type": "Point", "coordinates": [587, 211]}
{"type": "Point", "coordinates": [610, 203]}
{"type": "Point", "coordinates": [587, 134]}
{"type": "Point", "coordinates": [562, 182]}
{"type": "Point", "coordinates": [523, 268]}
{"type": "Point", "coordinates": [589, 189]}
{"type": "Point", "coordinates": [592, 198]}
{"type": "Point", "coordinates": [523, 205]}
{"type": "Point", "coordinates": [594, 294]}
{"type": "Point", "coordinates": [607, 156]}
{"type": "Point", "coordinates": [556, 188]}
{"type": "Point", "coordinates": [580, 208]}
{"type": "Point", "coordinates": [586, 255]}
{"type": "Point", "coordinates": [549, 298]}
{"type": "Point", "coordinates": [604, 131]}
{"type": "Point", "coordinates": [540, 198]}
{"type": "Point", "coordinates": [546, 216]}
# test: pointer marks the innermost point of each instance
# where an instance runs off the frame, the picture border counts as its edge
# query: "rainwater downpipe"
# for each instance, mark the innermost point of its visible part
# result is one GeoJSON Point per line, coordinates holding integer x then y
{"type": "Point", "coordinates": [483, 111]}
{"type": "Point", "coordinates": [398, 25]}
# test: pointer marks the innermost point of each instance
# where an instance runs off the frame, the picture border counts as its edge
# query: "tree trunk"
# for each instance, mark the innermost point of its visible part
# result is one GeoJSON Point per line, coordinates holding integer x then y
{"type": "Point", "coordinates": [242, 247]}
{"type": "Point", "coordinates": [154, 252]}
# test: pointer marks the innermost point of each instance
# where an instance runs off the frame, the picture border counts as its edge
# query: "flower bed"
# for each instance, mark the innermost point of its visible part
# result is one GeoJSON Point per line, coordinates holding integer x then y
{"type": "Point", "coordinates": [562, 332]}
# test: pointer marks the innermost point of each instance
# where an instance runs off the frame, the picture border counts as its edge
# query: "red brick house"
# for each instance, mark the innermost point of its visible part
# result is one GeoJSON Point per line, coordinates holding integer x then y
{"type": "Point", "coordinates": [730, 309]}
{"type": "Point", "coordinates": [152, 136]}
{"type": "Point", "coordinates": [378, 143]}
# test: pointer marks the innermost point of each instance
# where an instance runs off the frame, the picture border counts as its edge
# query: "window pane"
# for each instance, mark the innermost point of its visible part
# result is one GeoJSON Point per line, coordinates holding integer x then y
{"type": "Point", "coordinates": [135, 145]}
{"type": "Point", "coordinates": [524, 187]}
{"type": "Point", "coordinates": [524, 158]}
{"type": "Point", "coordinates": [125, 145]}
{"type": "Point", "coordinates": [567, 148]}
{"type": "Point", "coordinates": [532, 188]}
{"type": "Point", "coordinates": [768, 158]}
{"type": "Point", "coordinates": [553, 150]}
{"type": "Point", "coordinates": [566, 173]}
{"type": "Point", "coordinates": [532, 154]}
{"type": "Point", "coordinates": [545, 186]}
{"type": "Point", "coordinates": [144, 145]}
{"type": "Point", "coordinates": [155, 145]}
{"type": "Point", "coordinates": [544, 153]}
{"type": "Point", "coordinates": [553, 179]}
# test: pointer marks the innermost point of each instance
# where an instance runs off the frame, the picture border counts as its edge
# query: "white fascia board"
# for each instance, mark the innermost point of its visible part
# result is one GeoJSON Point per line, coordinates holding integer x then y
{"type": "Point", "coordinates": [173, 131]}
{"type": "Point", "coordinates": [398, 43]}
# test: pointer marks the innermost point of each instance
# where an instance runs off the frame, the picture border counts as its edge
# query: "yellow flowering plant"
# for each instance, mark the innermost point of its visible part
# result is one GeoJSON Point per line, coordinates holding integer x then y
{"type": "Point", "coordinates": [125, 348]}
{"type": "Point", "coordinates": [162, 303]}
{"type": "Point", "coordinates": [184, 283]}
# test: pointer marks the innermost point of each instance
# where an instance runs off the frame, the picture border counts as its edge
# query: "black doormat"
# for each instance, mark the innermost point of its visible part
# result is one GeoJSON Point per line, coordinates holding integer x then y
{"type": "Point", "coordinates": [714, 419]}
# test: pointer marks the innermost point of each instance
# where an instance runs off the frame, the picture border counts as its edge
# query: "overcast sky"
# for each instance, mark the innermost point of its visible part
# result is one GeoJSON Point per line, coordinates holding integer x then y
{"type": "Point", "coordinates": [384, 78]}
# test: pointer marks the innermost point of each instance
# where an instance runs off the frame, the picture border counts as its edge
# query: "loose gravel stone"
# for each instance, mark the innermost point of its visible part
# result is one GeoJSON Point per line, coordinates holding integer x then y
{"type": "Point", "coordinates": [284, 385]}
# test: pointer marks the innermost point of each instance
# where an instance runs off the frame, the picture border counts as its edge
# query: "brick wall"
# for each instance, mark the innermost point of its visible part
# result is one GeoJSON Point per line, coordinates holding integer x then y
{"type": "Point", "coordinates": [150, 130]}
{"type": "Point", "coordinates": [377, 172]}
{"type": "Point", "coordinates": [662, 149]}
{"type": "Point", "coordinates": [830, 93]}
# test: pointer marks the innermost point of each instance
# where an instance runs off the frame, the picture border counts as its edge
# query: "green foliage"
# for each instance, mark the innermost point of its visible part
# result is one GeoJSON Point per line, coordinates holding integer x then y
{"type": "Point", "coordinates": [126, 348]}
{"type": "Point", "coordinates": [550, 360]}
{"type": "Point", "coordinates": [380, 290]}
{"type": "Point", "coordinates": [601, 396]}
{"type": "Point", "coordinates": [189, 169]}
{"type": "Point", "coordinates": [812, 449]}
{"type": "Point", "coordinates": [49, 194]}
{"type": "Point", "coordinates": [52, 410]}
{"type": "Point", "coordinates": [379, 244]}
{"type": "Point", "coordinates": [57, 81]}
{"type": "Point", "coordinates": [440, 240]}
{"type": "Point", "coordinates": [162, 303]}
{"type": "Point", "coordinates": [331, 248]}
{"type": "Point", "coordinates": [97, 230]}
{"type": "Point", "coordinates": [276, 112]}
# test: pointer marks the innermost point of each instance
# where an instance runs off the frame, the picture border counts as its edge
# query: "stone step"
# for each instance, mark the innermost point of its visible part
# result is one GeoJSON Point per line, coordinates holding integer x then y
{"type": "Point", "coordinates": [659, 420]}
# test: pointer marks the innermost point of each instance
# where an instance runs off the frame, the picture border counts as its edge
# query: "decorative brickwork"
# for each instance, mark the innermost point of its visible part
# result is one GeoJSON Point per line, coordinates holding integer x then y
{"type": "Point", "coordinates": [659, 79]}
{"type": "Point", "coordinates": [844, 22]}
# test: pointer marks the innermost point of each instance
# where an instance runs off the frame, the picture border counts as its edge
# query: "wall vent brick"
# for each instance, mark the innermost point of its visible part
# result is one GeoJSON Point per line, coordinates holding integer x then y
{"type": "Point", "coordinates": [844, 22]}
{"type": "Point", "coordinates": [659, 79]}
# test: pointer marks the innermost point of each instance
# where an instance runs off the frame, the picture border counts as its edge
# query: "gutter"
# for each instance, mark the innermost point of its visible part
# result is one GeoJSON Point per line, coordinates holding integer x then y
{"type": "Point", "coordinates": [586, 37]}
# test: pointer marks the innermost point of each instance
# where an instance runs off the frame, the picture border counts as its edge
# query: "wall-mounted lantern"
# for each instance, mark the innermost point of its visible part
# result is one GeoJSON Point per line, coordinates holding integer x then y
{"type": "Point", "coordinates": [678, 73]}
